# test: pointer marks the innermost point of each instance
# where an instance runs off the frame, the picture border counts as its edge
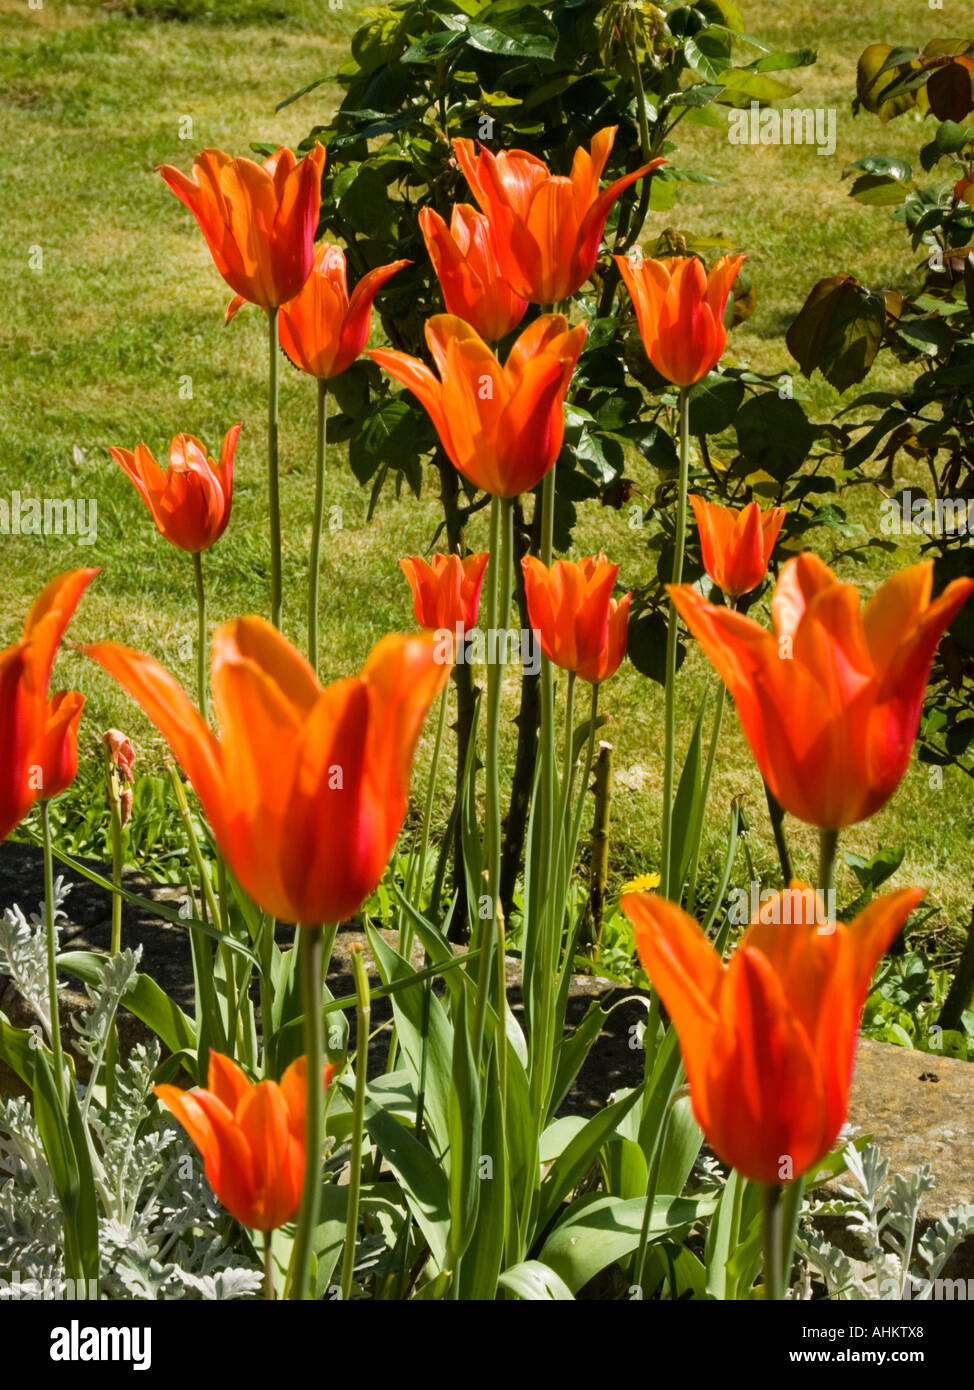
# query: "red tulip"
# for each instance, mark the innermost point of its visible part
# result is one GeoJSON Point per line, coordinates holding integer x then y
{"type": "Point", "coordinates": [322, 329]}
{"type": "Point", "coordinates": [25, 674]}
{"type": "Point", "coordinates": [736, 545]}
{"type": "Point", "coordinates": [769, 1040]}
{"type": "Point", "coordinates": [547, 228]}
{"type": "Point", "coordinates": [502, 426]}
{"type": "Point", "coordinates": [580, 626]}
{"type": "Point", "coordinates": [251, 1137]}
{"type": "Point", "coordinates": [468, 268]}
{"type": "Point", "coordinates": [680, 310]}
{"type": "Point", "coordinates": [259, 221]}
{"type": "Point", "coordinates": [829, 701]}
{"type": "Point", "coordinates": [446, 589]}
{"type": "Point", "coordinates": [306, 788]}
{"type": "Point", "coordinates": [190, 504]}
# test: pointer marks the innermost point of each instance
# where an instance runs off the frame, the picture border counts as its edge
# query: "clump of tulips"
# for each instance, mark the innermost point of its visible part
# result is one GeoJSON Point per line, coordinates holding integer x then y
{"type": "Point", "coordinates": [304, 789]}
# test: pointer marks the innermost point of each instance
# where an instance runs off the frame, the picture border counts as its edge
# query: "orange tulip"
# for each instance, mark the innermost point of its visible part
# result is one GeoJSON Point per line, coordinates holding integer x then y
{"type": "Point", "coordinates": [502, 426]}
{"type": "Point", "coordinates": [25, 673]}
{"type": "Point", "coordinates": [305, 788]}
{"type": "Point", "coordinates": [547, 228]}
{"type": "Point", "coordinates": [468, 268]}
{"type": "Point", "coordinates": [251, 1138]}
{"type": "Point", "coordinates": [190, 504]}
{"type": "Point", "coordinates": [58, 759]}
{"type": "Point", "coordinates": [446, 589]}
{"type": "Point", "coordinates": [830, 700]}
{"type": "Point", "coordinates": [769, 1040]}
{"type": "Point", "coordinates": [580, 626]}
{"type": "Point", "coordinates": [322, 329]}
{"type": "Point", "coordinates": [680, 310]}
{"type": "Point", "coordinates": [736, 545]}
{"type": "Point", "coordinates": [259, 221]}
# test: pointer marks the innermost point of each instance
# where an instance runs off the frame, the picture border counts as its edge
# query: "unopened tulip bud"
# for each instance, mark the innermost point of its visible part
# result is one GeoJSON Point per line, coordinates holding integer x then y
{"type": "Point", "coordinates": [119, 757]}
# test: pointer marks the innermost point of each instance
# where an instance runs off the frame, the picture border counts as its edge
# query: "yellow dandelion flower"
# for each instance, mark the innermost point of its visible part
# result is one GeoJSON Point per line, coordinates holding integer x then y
{"type": "Point", "coordinates": [645, 883]}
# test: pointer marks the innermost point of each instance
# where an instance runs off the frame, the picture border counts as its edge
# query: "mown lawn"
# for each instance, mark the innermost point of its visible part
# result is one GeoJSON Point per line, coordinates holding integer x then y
{"type": "Point", "coordinates": [103, 343]}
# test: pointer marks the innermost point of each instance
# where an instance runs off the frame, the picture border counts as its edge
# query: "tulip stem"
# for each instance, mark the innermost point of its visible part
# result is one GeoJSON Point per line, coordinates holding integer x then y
{"type": "Point", "coordinates": [268, 925]}
{"type": "Point", "coordinates": [772, 1231]}
{"type": "Point", "coordinates": [781, 1211]}
{"type": "Point", "coordinates": [115, 811]}
{"type": "Point", "coordinates": [502, 533]}
{"type": "Point", "coordinates": [828, 843]}
{"type": "Point", "coordinates": [211, 906]}
{"type": "Point", "coordinates": [546, 954]}
{"type": "Point", "coordinates": [268, 1266]}
{"type": "Point", "coordinates": [316, 524]}
{"type": "Point", "coordinates": [424, 839]}
{"type": "Point", "coordinates": [414, 881]}
{"type": "Point", "coordinates": [669, 889]}
{"type": "Point", "coordinates": [273, 480]}
{"type": "Point", "coordinates": [498, 618]}
{"type": "Point", "coordinates": [363, 1016]}
{"type": "Point", "coordinates": [51, 933]}
{"type": "Point", "coordinates": [576, 828]}
{"type": "Point", "coordinates": [705, 790]}
{"type": "Point", "coordinates": [708, 773]}
{"type": "Point", "coordinates": [777, 814]}
{"type": "Point", "coordinates": [201, 692]}
{"type": "Point", "coordinates": [563, 870]}
{"type": "Point", "coordinates": [308, 946]}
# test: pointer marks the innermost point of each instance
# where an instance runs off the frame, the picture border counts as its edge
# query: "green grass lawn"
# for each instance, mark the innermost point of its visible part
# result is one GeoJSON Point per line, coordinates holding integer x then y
{"type": "Point", "coordinates": [103, 342]}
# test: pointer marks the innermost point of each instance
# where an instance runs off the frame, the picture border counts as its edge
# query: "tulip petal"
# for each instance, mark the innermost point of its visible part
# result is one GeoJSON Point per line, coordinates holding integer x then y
{"type": "Point", "coordinates": [48, 619]}
{"type": "Point", "coordinates": [227, 1081]}
{"type": "Point", "coordinates": [355, 330]}
{"type": "Point", "coordinates": [683, 966]}
{"type": "Point", "coordinates": [21, 724]}
{"type": "Point", "coordinates": [765, 1095]}
{"type": "Point", "coordinates": [800, 580]}
{"type": "Point", "coordinates": [874, 930]}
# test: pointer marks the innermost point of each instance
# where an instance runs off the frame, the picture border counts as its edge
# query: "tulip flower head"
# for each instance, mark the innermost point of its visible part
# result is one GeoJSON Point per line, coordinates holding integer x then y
{"type": "Point", "coordinates": [502, 426]}
{"type": "Point", "coordinates": [306, 787]}
{"type": "Point", "coordinates": [35, 736]}
{"type": "Point", "coordinates": [190, 503]}
{"type": "Point", "coordinates": [251, 1138]}
{"type": "Point", "coordinates": [580, 626]}
{"type": "Point", "coordinates": [468, 268]}
{"type": "Point", "coordinates": [547, 228]}
{"type": "Point", "coordinates": [680, 311]}
{"type": "Point", "coordinates": [736, 545]}
{"type": "Point", "coordinates": [259, 221]}
{"type": "Point", "coordinates": [446, 589]}
{"type": "Point", "coordinates": [830, 701]}
{"type": "Point", "coordinates": [323, 330]}
{"type": "Point", "coordinates": [769, 1040]}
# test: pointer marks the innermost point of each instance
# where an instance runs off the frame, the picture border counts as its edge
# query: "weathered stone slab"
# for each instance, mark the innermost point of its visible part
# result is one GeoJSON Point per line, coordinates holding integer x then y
{"type": "Point", "coordinates": [919, 1108]}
